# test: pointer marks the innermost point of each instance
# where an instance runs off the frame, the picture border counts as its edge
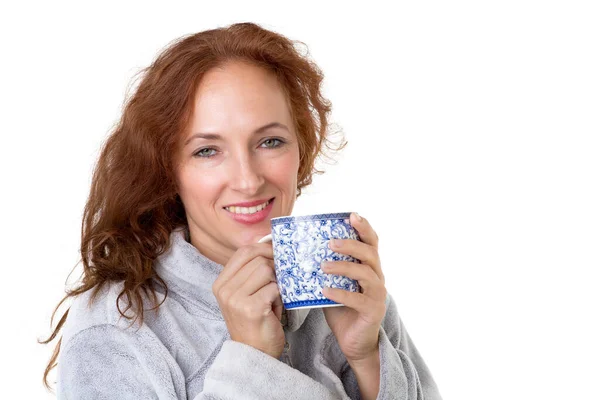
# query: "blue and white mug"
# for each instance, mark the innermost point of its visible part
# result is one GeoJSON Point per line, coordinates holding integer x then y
{"type": "Point", "coordinates": [300, 245]}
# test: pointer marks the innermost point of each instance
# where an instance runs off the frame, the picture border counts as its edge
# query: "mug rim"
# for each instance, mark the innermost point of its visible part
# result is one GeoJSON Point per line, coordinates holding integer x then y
{"type": "Point", "coordinates": [311, 217]}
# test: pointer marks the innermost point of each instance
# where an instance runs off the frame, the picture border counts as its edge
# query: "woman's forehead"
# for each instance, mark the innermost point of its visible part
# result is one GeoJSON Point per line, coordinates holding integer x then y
{"type": "Point", "coordinates": [240, 98]}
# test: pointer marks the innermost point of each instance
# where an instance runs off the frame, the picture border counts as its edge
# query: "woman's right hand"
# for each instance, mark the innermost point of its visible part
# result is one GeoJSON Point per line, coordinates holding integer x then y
{"type": "Point", "coordinates": [249, 298]}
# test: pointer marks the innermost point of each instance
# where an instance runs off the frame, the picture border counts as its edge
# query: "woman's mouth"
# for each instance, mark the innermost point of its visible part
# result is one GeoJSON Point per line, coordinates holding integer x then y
{"type": "Point", "coordinates": [249, 210]}
{"type": "Point", "coordinates": [251, 215]}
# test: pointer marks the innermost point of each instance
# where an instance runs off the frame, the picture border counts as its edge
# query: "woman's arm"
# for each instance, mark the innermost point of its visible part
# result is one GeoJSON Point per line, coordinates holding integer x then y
{"type": "Point", "coordinates": [403, 373]}
{"type": "Point", "coordinates": [367, 374]}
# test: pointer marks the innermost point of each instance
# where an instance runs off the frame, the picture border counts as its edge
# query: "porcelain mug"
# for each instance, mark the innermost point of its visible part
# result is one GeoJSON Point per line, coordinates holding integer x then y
{"type": "Point", "coordinates": [300, 245]}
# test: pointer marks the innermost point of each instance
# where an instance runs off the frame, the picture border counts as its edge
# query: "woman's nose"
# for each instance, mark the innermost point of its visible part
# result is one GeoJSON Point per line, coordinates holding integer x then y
{"type": "Point", "coordinates": [246, 176]}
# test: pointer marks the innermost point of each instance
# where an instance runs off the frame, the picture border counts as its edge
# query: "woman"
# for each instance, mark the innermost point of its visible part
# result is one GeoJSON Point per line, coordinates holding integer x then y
{"type": "Point", "coordinates": [178, 300]}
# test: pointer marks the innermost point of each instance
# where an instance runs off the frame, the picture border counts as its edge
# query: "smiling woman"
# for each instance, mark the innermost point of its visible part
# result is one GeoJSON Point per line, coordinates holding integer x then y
{"type": "Point", "coordinates": [177, 299]}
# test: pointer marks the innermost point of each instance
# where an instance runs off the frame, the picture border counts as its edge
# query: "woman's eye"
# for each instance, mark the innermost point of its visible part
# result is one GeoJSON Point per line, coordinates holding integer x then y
{"type": "Point", "coordinates": [205, 153]}
{"type": "Point", "coordinates": [272, 143]}
{"type": "Point", "coordinates": [208, 152]}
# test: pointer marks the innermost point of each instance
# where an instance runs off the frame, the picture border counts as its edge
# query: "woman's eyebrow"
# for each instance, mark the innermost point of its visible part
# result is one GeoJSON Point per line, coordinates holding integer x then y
{"type": "Point", "coordinates": [215, 136]}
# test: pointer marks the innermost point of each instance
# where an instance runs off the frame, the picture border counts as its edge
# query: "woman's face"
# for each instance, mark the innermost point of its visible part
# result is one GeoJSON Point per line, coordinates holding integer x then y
{"type": "Point", "coordinates": [241, 148]}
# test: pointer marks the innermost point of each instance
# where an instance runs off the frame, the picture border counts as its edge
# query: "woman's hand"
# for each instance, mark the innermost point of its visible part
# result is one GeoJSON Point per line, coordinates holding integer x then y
{"type": "Point", "coordinates": [249, 298]}
{"type": "Point", "coordinates": [356, 326]}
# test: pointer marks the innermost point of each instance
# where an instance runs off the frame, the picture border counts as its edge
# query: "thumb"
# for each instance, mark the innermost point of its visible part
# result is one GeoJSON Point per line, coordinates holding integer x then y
{"type": "Point", "coordinates": [277, 307]}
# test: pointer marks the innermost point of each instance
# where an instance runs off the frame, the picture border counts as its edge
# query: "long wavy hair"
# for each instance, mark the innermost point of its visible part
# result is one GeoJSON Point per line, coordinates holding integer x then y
{"type": "Point", "coordinates": [133, 205]}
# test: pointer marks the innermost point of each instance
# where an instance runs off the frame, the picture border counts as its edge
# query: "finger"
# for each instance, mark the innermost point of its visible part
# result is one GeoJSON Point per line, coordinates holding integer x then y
{"type": "Point", "coordinates": [238, 294]}
{"type": "Point", "coordinates": [366, 277]}
{"type": "Point", "coordinates": [240, 258]}
{"type": "Point", "coordinates": [262, 275]}
{"type": "Point", "coordinates": [356, 301]}
{"type": "Point", "coordinates": [364, 252]}
{"type": "Point", "coordinates": [237, 281]}
{"type": "Point", "coordinates": [366, 233]}
{"type": "Point", "coordinates": [268, 300]}
{"type": "Point", "coordinates": [277, 305]}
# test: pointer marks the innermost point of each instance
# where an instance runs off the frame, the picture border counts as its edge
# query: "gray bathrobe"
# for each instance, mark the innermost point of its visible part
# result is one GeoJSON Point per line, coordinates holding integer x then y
{"type": "Point", "coordinates": [184, 351]}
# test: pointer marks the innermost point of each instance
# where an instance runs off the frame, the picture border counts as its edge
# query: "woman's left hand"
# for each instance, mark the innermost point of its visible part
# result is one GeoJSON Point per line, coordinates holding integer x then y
{"type": "Point", "coordinates": [356, 326]}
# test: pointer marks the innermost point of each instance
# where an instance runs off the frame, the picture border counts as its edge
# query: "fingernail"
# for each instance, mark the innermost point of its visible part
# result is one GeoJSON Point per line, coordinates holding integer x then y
{"type": "Point", "coordinates": [268, 238]}
{"type": "Point", "coordinates": [334, 243]}
{"type": "Point", "coordinates": [358, 217]}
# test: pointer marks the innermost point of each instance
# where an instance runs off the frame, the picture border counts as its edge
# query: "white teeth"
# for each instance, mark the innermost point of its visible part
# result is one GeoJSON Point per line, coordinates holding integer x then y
{"type": "Point", "coordinates": [247, 210]}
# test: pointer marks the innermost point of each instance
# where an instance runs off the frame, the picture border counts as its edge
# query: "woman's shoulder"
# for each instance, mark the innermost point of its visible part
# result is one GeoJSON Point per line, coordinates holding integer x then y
{"type": "Point", "coordinates": [103, 352]}
{"type": "Point", "coordinates": [96, 309]}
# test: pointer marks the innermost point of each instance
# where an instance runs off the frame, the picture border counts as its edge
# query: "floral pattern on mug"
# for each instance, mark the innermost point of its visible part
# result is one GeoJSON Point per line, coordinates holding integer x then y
{"type": "Point", "coordinates": [300, 245]}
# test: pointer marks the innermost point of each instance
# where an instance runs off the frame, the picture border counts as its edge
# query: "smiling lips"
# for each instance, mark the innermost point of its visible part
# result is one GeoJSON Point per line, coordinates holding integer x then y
{"type": "Point", "coordinates": [248, 210]}
{"type": "Point", "coordinates": [250, 215]}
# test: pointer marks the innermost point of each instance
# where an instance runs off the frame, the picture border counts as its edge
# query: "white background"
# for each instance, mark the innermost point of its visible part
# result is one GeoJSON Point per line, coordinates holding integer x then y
{"type": "Point", "coordinates": [474, 151]}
